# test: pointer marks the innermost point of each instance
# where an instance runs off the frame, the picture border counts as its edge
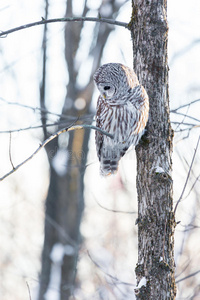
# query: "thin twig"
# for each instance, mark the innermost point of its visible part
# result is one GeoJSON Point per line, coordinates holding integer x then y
{"type": "Point", "coordinates": [187, 129]}
{"type": "Point", "coordinates": [10, 156]}
{"type": "Point", "coordinates": [53, 136]}
{"type": "Point", "coordinates": [29, 292]}
{"type": "Point", "coordinates": [189, 227]}
{"type": "Point", "coordinates": [40, 109]}
{"type": "Point", "coordinates": [114, 210]}
{"type": "Point", "coordinates": [190, 275]}
{"type": "Point", "coordinates": [188, 175]}
{"type": "Point", "coordinates": [197, 179]}
{"type": "Point", "coordinates": [183, 270]}
{"type": "Point", "coordinates": [185, 116]}
{"type": "Point", "coordinates": [184, 123]}
{"type": "Point", "coordinates": [67, 19]}
{"type": "Point", "coordinates": [118, 281]}
{"type": "Point", "coordinates": [32, 127]}
{"type": "Point", "coordinates": [184, 105]}
{"type": "Point", "coordinates": [44, 66]}
{"type": "Point", "coordinates": [60, 230]}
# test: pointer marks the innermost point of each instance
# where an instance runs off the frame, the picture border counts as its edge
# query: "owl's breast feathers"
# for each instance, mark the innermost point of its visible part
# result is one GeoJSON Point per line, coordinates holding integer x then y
{"type": "Point", "coordinates": [124, 120]}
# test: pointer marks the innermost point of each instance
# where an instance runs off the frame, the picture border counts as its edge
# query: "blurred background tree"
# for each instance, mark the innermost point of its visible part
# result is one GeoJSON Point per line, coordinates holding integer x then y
{"type": "Point", "coordinates": [65, 200]}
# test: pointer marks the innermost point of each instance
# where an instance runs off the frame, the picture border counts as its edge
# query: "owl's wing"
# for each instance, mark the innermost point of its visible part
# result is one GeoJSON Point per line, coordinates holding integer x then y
{"type": "Point", "coordinates": [140, 103]}
{"type": "Point", "coordinates": [98, 135]}
{"type": "Point", "coordinates": [138, 96]}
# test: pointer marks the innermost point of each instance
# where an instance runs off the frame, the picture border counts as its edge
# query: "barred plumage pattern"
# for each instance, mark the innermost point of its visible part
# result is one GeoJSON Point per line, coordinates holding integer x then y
{"type": "Point", "coordinates": [122, 110]}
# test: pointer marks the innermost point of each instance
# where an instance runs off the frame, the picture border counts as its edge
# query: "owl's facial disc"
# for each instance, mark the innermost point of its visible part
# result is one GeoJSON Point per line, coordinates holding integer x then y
{"type": "Point", "coordinates": [107, 90]}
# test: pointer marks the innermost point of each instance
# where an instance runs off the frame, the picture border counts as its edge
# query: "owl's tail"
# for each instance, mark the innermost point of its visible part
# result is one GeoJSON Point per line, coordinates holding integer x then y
{"type": "Point", "coordinates": [108, 166]}
{"type": "Point", "coordinates": [109, 160]}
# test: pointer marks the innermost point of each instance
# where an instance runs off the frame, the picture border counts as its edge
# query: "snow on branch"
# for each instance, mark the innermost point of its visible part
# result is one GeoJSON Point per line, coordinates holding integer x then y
{"type": "Point", "coordinates": [4, 34]}
{"type": "Point", "coordinates": [142, 283]}
{"type": "Point", "coordinates": [53, 136]}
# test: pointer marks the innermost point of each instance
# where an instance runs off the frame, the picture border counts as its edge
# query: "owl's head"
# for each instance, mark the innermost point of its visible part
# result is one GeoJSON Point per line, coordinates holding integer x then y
{"type": "Point", "coordinates": [113, 80]}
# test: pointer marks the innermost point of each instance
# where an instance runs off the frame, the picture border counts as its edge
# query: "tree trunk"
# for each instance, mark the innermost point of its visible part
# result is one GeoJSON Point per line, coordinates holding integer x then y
{"type": "Point", "coordinates": [155, 267]}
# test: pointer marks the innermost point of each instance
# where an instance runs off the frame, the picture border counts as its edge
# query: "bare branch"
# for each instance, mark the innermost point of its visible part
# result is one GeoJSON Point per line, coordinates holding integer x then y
{"type": "Point", "coordinates": [44, 66]}
{"type": "Point", "coordinates": [67, 19]}
{"type": "Point", "coordinates": [114, 210]}
{"type": "Point", "coordinates": [184, 124]}
{"type": "Point", "coordinates": [196, 180]}
{"type": "Point", "coordinates": [116, 280]}
{"type": "Point", "coordinates": [61, 231]}
{"type": "Point", "coordinates": [29, 292]}
{"type": "Point", "coordinates": [10, 156]}
{"type": "Point", "coordinates": [53, 136]}
{"type": "Point", "coordinates": [189, 129]}
{"type": "Point", "coordinates": [189, 227]}
{"type": "Point", "coordinates": [188, 175]}
{"type": "Point", "coordinates": [40, 109]}
{"type": "Point", "coordinates": [186, 116]}
{"type": "Point", "coordinates": [190, 275]}
{"type": "Point", "coordinates": [184, 105]}
{"type": "Point", "coordinates": [184, 268]}
{"type": "Point", "coordinates": [37, 127]}
{"type": "Point", "coordinates": [31, 127]}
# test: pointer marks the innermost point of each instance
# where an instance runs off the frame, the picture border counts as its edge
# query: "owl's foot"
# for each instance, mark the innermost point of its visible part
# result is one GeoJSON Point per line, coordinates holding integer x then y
{"type": "Point", "coordinates": [145, 139]}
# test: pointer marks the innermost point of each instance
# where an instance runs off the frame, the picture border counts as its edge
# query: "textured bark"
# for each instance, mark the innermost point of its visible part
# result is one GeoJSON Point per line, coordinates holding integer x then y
{"type": "Point", "coordinates": [149, 29]}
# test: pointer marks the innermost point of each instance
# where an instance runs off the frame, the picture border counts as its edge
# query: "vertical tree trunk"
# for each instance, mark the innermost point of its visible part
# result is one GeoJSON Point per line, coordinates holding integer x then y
{"type": "Point", "coordinates": [155, 267]}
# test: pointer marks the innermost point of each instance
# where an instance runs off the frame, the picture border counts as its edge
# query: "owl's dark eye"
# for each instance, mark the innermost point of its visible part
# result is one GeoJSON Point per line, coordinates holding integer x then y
{"type": "Point", "coordinates": [107, 87]}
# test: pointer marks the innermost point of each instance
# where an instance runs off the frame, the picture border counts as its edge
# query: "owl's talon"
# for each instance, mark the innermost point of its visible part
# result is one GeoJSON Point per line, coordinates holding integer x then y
{"type": "Point", "coordinates": [145, 139]}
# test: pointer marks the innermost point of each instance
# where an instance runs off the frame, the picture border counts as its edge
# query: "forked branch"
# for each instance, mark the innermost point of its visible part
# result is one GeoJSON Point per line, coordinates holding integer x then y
{"type": "Point", "coordinates": [53, 136]}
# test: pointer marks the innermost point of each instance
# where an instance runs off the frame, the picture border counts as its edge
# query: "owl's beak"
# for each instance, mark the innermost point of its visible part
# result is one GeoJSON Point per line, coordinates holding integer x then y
{"type": "Point", "coordinates": [104, 95]}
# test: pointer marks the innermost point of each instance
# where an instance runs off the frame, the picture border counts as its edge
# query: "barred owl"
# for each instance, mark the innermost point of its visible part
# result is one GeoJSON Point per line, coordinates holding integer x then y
{"type": "Point", "coordinates": [122, 110]}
